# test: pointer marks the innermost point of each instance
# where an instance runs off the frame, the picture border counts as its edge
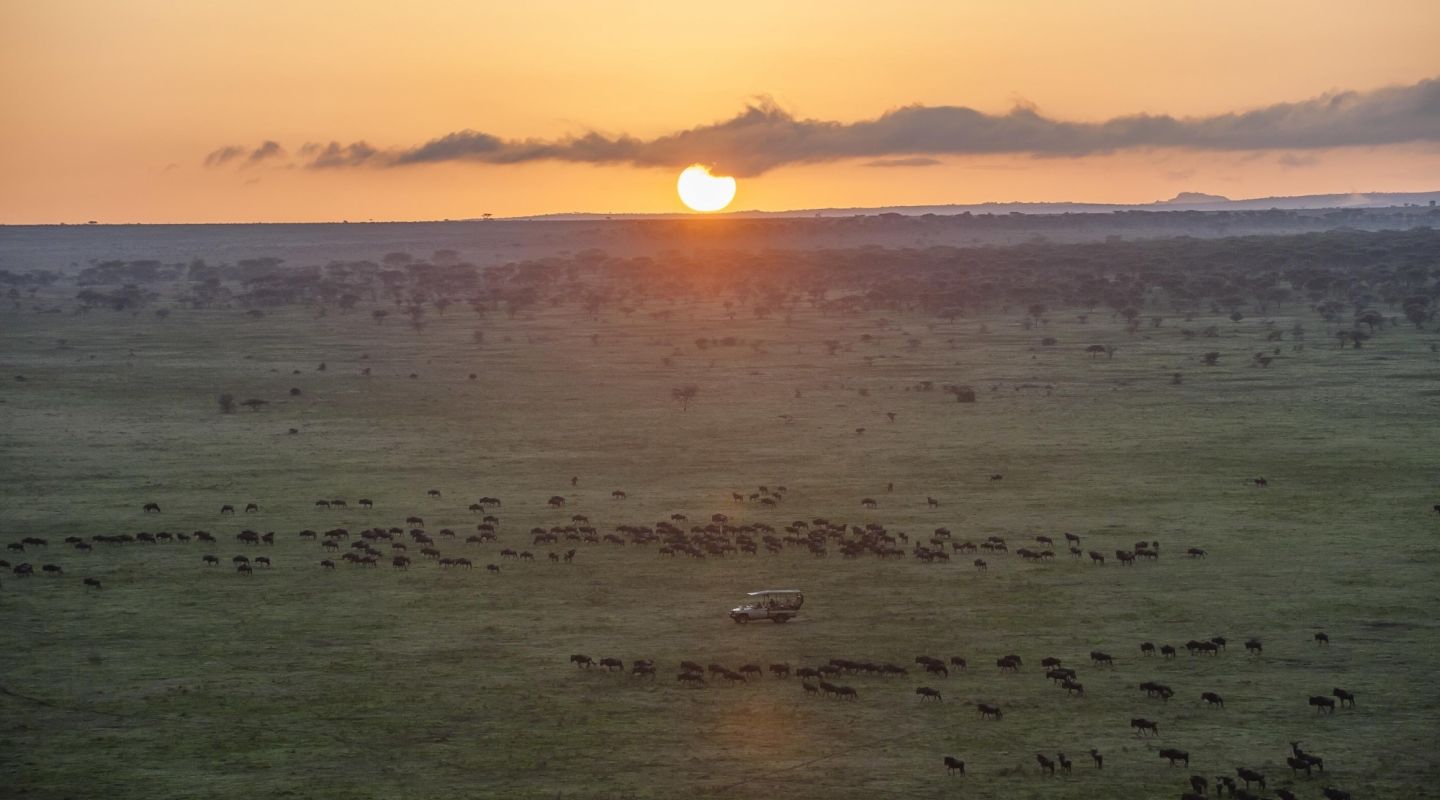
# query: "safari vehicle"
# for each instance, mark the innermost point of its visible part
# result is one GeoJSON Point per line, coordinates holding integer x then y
{"type": "Point", "coordinates": [776, 605]}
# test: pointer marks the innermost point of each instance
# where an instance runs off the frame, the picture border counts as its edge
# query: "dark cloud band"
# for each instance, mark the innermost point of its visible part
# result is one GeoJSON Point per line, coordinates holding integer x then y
{"type": "Point", "coordinates": [764, 136]}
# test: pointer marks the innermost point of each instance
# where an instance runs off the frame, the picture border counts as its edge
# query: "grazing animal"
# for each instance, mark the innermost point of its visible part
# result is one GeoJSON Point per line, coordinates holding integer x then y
{"type": "Point", "coordinates": [262, 560]}
{"type": "Point", "coordinates": [1199, 784]}
{"type": "Point", "coordinates": [1346, 698]}
{"type": "Point", "coordinates": [1213, 699]}
{"type": "Point", "coordinates": [809, 687]}
{"type": "Point", "coordinates": [210, 560]}
{"type": "Point", "coordinates": [92, 583]}
{"type": "Point", "coordinates": [251, 508]}
{"type": "Point", "coordinates": [1308, 758]}
{"type": "Point", "coordinates": [1046, 765]}
{"type": "Point", "coordinates": [1167, 651]}
{"type": "Point", "coordinates": [495, 568]}
{"type": "Point", "coordinates": [227, 509]}
{"type": "Point", "coordinates": [953, 765]}
{"type": "Point", "coordinates": [1063, 762]}
{"type": "Point", "coordinates": [1175, 755]}
{"type": "Point", "coordinates": [245, 569]}
{"type": "Point", "coordinates": [1250, 776]}
{"type": "Point", "coordinates": [1142, 726]}
{"type": "Point", "coordinates": [1285, 794]}
{"type": "Point", "coordinates": [989, 712]}
{"type": "Point", "coordinates": [1322, 639]}
{"type": "Point", "coordinates": [780, 670]}
{"type": "Point", "coordinates": [691, 678]}
{"type": "Point", "coordinates": [327, 564]}
{"type": "Point", "coordinates": [927, 693]}
{"type": "Point", "coordinates": [1147, 649]}
{"type": "Point", "coordinates": [957, 661]}
{"type": "Point", "coordinates": [1101, 659]}
{"type": "Point", "coordinates": [1331, 793]}
{"type": "Point", "coordinates": [150, 508]}
{"type": "Point", "coordinates": [1322, 704]}
{"type": "Point", "coordinates": [1297, 764]}
{"type": "Point", "coordinates": [612, 664]}
{"type": "Point", "coordinates": [1097, 758]}
{"type": "Point", "coordinates": [582, 660]}
{"type": "Point", "coordinates": [1254, 646]}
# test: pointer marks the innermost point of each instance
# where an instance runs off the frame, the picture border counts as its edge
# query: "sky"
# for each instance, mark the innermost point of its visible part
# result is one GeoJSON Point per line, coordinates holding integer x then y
{"type": "Point", "coordinates": [207, 111]}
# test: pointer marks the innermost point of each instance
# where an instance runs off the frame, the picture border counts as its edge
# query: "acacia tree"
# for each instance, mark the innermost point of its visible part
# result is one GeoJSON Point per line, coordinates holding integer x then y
{"type": "Point", "coordinates": [684, 395]}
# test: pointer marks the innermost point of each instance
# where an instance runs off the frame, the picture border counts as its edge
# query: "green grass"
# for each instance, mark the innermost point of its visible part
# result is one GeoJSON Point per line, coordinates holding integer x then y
{"type": "Point", "coordinates": [182, 681]}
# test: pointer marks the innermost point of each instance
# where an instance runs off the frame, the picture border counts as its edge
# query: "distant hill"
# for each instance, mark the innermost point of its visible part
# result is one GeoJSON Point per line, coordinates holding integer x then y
{"type": "Point", "coordinates": [1184, 201]}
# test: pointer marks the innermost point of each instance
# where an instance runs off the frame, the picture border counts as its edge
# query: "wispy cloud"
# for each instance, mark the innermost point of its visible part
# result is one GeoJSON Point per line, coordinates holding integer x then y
{"type": "Point", "coordinates": [224, 155]}
{"type": "Point", "coordinates": [913, 161]}
{"type": "Point", "coordinates": [764, 136]}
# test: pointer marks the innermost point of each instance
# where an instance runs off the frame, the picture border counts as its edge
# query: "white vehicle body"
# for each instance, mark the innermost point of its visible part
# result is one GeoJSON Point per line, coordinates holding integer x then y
{"type": "Point", "coordinates": [776, 605]}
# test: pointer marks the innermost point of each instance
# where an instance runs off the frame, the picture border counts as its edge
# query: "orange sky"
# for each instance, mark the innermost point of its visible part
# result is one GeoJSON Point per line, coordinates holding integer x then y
{"type": "Point", "coordinates": [111, 107]}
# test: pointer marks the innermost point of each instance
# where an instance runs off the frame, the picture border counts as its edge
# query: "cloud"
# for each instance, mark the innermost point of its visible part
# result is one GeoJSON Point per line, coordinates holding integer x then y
{"type": "Point", "coordinates": [913, 161]}
{"type": "Point", "coordinates": [267, 150]}
{"type": "Point", "coordinates": [223, 155]}
{"type": "Point", "coordinates": [1297, 160]}
{"type": "Point", "coordinates": [764, 136]}
{"type": "Point", "coordinates": [332, 155]}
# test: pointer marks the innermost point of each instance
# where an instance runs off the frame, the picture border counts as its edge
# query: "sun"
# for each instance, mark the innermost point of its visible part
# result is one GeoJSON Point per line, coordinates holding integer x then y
{"type": "Point", "coordinates": [702, 191]}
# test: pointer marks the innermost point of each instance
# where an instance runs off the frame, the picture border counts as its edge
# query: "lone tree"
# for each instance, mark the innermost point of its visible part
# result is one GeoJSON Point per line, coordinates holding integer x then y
{"type": "Point", "coordinates": [684, 395]}
{"type": "Point", "coordinates": [227, 403]}
{"type": "Point", "coordinates": [1095, 349]}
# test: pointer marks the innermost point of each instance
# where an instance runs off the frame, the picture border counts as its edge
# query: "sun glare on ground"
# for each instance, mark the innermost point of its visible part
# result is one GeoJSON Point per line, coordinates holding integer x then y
{"type": "Point", "coordinates": [702, 191]}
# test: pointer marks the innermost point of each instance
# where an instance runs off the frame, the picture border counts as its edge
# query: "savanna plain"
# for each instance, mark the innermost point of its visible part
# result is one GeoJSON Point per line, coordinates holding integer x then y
{"type": "Point", "coordinates": [1121, 394]}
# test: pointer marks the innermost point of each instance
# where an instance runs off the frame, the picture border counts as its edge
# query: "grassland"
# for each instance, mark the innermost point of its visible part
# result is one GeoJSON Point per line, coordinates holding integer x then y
{"type": "Point", "coordinates": [180, 681]}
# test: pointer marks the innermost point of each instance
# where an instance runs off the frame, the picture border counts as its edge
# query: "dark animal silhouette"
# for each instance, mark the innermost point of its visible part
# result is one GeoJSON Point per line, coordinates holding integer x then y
{"type": "Point", "coordinates": [227, 509]}
{"type": "Point", "coordinates": [582, 660]}
{"type": "Point", "coordinates": [151, 508]}
{"type": "Point", "coordinates": [1097, 758]}
{"type": "Point", "coordinates": [92, 583]}
{"type": "Point", "coordinates": [1143, 726]}
{"type": "Point", "coordinates": [1175, 755]}
{"type": "Point", "coordinates": [927, 693]}
{"type": "Point", "coordinates": [1250, 776]}
{"type": "Point", "coordinates": [1322, 704]}
{"type": "Point", "coordinates": [953, 765]}
{"type": "Point", "coordinates": [1046, 765]}
{"type": "Point", "coordinates": [1213, 699]}
{"type": "Point", "coordinates": [1345, 698]}
{"type": "Point", "coordinates": [989, 712]}
{"type": "Point", "coordinates": [1322, 639]}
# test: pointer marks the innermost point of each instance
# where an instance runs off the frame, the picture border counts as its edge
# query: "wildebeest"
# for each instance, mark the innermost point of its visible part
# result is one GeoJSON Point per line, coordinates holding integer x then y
{"type": "Point", "coordinates": [1147, 649]}
{"type": "Point", "coordinates": [1254, 646]}
{"type": "Point", "coordinates": [92, 583]}
{"type": "Point", "coordinates": [1097, 758]}
{"type": "Point", "coordinates": [988, 711]}
{"type": "Point", "coordinates": [495, 568]}
{"type": "Point", "coordinates": [1101, 659]}
{"type": "Point", "coordinates": [1331, 793]}
{"type": "Point", "coordinates": [1322, 638]}
{"type": "Point", "coordinates": [953, 765]}
{"type": "Point", "coordinates": [1308, 758]}
{"type": "Point", "coordinates": [251, 508]}
{"type": "Point", "coordinates": [927, 693]}
{"type": "Point", "coordinates": [1166, 651]}
{"type": "Point", "coordinates": [582, 660]}
{"type": "Point", "coordinates": [53, 569]}
{"type": "Point", "coordinates": [780, 670]}
{"type": "Point", "coordinates": [1063, 762]}
{"type": "Point", "coordinates": [1212, 699]}
{"type": "Point", "coordinates": [1250, 776]}
{"type": "Point", "coordinates": [262, 560]}
{"type": "Point", "coordinates": [1322, 704]}
{"type": "Point", "coordinates": [244, 569]}
{"type": "Point", "coordinates": [1143, 726]}
{"type": "Point", "coordinates": [612, 664]}
{"type": "Point", "coordinates": [150, 508]}
{"type": "Point", "coordinates": [1175, 755]}
{"type": "Point", "coordinates": [1046, 765]}
{"type": "Point", "coordinates": [227, 509]}
{"type": "Point", "coordinates": [694, 679]}
{"type": "Point", "coordinates": [327, 564]}
{"type": "Point", "coordinates": [1345, 698]}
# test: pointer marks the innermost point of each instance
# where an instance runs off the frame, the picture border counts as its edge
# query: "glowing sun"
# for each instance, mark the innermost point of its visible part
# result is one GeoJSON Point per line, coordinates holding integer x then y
{"type": "Point", "coordinates": [702, 191]}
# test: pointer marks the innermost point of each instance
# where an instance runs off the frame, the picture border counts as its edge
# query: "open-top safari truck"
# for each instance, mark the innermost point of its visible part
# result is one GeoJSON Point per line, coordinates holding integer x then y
{"type": "Point", "coordinates": [776, 605]}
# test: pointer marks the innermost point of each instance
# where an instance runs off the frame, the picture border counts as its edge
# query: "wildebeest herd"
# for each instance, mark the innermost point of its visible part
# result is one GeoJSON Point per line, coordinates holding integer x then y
{"type": "Point", "coordinates": [823, 680]}
{"type": "Point", "coordinates": [717, 535]}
